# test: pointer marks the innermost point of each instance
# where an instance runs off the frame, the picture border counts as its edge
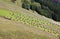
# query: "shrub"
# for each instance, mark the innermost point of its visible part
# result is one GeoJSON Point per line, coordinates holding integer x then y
{"type": "Point", "coordinates": [13, 1]}
{"type": "Point", "coordinates": [26, 4]}
{"type": "Point", "coordinates": [35, 6]}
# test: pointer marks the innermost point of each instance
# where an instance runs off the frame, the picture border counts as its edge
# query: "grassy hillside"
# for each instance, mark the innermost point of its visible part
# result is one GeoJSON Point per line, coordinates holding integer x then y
{"type": "Point", "coordinates": [16, 30]}
{"type": "Point", "coordinates": [18, 23]}
{"type": "Point", "coordinates": [8, 30]}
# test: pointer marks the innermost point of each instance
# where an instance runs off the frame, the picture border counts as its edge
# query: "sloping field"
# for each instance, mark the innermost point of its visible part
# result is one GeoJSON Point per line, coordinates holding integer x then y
{"type": "Point", "coordinates": [22, 17]}
{"type": "Point", "coordinates": [19, 17]}
{"type": "Point", "coordinates": [16, 30]}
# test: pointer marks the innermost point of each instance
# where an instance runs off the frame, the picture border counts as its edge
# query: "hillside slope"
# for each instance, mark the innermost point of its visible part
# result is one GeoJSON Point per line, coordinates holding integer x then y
{"type": "Point", "coordinates": [43, 29]}
{"type": "Point", "coordinates": [16, 30]}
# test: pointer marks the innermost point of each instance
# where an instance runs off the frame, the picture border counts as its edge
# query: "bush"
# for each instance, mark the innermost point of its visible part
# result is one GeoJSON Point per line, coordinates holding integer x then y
{"type": "Point", "coordinates": [46, 13]}
{"type": "Point", "coordinates": [52, 6]}
{"type": "Point", "coordinates": [26, 4]}
{"type": "Point", "coordinates": [35, 6]}
{"type": "Point", "coordinates": [13, 1]}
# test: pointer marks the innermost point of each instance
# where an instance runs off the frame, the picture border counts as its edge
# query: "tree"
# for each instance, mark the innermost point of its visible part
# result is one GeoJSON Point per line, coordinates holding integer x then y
{"type": "Point", "coordinates": [35, 6]}
{"type": "Point", "coordinates": [13, 1]}
{"type": "Point", "coordinates": [26, 4]}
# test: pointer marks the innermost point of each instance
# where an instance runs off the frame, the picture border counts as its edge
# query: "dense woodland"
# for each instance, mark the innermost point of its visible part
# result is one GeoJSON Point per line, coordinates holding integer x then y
{"type": "Point", "coordinates": [48, 8]}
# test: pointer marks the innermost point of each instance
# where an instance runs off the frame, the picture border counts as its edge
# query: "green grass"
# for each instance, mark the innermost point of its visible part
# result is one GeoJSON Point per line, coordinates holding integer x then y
{"type": "Point", "coordinates": [8, 1]}
{"type": "Point", "coordinates": [36, 22]}
{"type": "Point", "coordinates": [5, 13]}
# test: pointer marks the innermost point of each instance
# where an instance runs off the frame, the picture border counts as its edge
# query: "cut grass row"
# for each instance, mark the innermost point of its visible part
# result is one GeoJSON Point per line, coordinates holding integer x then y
{"type": "Point", "coordinates": [36, 22]}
